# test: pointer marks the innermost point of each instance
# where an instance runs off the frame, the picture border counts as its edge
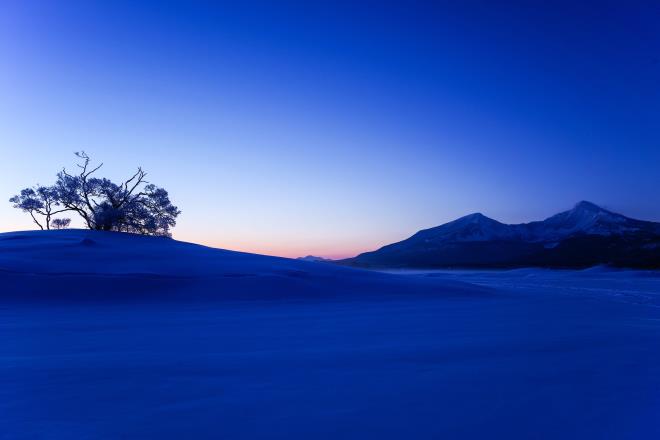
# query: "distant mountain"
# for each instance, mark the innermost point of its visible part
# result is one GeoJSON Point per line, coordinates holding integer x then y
{"type": "Point", "coordinates": [584, 236]}
{"type": "Point", "coordinates": [313, 258]}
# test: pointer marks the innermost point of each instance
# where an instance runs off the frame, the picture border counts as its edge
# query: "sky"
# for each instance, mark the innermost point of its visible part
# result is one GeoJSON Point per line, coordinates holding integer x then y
{"type": "Point", "coordinates": [333, 128]}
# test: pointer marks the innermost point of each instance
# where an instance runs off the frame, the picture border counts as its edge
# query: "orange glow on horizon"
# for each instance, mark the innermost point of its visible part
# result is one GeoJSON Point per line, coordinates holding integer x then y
{"type": "Point", "coordinates": [292, 249]}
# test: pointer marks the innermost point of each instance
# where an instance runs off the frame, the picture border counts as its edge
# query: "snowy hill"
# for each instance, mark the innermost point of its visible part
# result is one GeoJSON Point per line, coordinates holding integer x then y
{"type": "Point", "coordinates": [108, 335]}
{"type": "Point", "coordinates": [91, 264]}
{"type": "Point", "coordinates": [583, 236]}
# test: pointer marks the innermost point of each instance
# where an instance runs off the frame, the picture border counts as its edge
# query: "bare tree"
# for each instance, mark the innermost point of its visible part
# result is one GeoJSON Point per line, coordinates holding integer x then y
{"type": "Point", "coordinates": [60, 223]}
{"type": "Point", "coordinates": [134, 205]}
{"type": "Point", "coordinates": [74, 190]}
{"type": "Point", "coordinates": [39, 201]}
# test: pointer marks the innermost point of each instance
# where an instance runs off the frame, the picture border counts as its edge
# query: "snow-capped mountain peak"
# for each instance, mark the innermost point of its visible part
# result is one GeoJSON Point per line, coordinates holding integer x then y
{"type": "Point", "coordinates": [586, 234]}
{"type": "Point", "coordinates": [585, 205]}
{"type": "Point", "coordinates": [472, 227]}
{"type": "Point", "coordinates": [584, 218]}
{"type": "Point", "coordinates": [475, 217]}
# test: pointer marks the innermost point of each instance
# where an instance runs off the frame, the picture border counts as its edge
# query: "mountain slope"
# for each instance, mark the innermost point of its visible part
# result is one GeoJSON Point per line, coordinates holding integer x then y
{"type": "Point", "coordinates": [584, 236]}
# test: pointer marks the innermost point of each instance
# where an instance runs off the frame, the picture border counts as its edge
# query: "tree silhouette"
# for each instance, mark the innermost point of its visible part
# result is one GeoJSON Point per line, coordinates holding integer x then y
{"type": "Point", "coordinates": [39, 201]}
{"type": "Point", "coordinates": [60, 223]}
{"type": "Point", "coordinates": [134, 205]}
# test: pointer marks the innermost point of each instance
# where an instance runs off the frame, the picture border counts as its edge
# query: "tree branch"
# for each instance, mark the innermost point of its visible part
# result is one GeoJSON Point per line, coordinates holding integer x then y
{"type": "Point", "coordinates": [36, 221]}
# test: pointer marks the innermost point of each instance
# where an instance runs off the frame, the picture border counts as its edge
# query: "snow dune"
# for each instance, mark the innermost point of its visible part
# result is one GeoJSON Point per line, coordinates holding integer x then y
{"type": "Point", "coordinates": [94, 264]}
{"type": "Point", "coordinates": [107, 336]}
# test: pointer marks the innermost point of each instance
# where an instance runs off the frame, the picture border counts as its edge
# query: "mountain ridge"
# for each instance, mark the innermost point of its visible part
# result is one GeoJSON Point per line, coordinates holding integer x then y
{"type": "Point", "coordinates": [583, 236]}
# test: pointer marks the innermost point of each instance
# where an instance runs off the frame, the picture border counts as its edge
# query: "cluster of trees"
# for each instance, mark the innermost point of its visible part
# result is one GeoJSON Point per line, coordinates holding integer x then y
{"type": "Point", "coordinates": [133, 205]}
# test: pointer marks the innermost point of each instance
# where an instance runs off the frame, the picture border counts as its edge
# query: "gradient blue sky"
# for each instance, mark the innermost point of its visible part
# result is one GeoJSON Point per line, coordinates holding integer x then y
{"type": "Point", "coordinates": [289, 128]}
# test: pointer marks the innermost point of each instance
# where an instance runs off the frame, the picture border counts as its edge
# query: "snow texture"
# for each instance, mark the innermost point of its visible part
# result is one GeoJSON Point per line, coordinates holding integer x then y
{"type": "Point", "coordinates": [107, 335]}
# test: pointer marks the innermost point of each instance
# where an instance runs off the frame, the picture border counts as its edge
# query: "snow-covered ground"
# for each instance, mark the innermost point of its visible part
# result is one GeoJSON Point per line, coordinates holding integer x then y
{"type": "Point", "coordinates": [112, 336]}
{"type": "Point", "coordinates": [602, 283]}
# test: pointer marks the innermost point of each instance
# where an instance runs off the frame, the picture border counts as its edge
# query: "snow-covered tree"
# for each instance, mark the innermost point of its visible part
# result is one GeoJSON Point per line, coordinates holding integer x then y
{"type": "Point", "coordinates": [133, 205]}
{"type": "Point", "coordinates": [60, 223]}
{"type": "Point", "coordinates": [40, 202]}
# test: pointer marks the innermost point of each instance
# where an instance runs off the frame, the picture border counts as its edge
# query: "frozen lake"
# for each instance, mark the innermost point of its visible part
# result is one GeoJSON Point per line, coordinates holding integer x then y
{"type": "Point", "coordinates": [545, 354]}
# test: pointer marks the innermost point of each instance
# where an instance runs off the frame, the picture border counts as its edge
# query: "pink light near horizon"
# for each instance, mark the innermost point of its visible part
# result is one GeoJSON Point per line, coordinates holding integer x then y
{"type": "Point", "coordinates": [276, 246]}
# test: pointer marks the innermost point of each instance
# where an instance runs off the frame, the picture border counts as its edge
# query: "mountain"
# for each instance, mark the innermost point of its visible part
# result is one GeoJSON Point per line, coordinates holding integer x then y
{"type": "Point", "coordinates": [584, 236]}
{"type": "Point", "coordinates": [313, 258]}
